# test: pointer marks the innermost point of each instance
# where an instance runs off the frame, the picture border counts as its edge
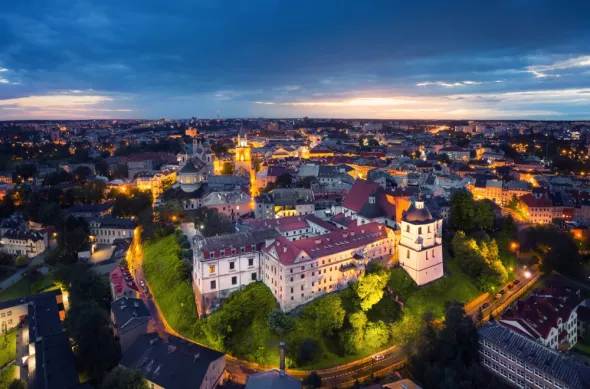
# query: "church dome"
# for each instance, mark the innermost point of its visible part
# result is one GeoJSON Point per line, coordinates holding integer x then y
{"type": "Point", "coordinates": [417, 213]}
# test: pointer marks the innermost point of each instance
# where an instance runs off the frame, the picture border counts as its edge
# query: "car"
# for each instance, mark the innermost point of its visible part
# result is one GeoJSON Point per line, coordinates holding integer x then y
{"type": "Point", "coordinates": [502, 292]}
{"type": "Point", "coordinates": [145, 289]}
{"type": "Point", "coordinates": [516, 282]}
{"type": "Point", "coordinates": [510, 286]}
{"type": "Point", "coordinates": [148, 295]}
{"type": "Point", "coordinates": [498, 295]}
{"type": "Point", "coordinates": [142, 282]}
{"type": "Point", "coordinates": [485, 305]}
{"type": "Point", "coordinates": [378, 357]}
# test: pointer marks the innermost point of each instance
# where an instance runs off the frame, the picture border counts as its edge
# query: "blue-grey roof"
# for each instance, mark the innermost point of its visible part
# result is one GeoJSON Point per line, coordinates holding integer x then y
{"type": "Point", "coordinates": [272, 379]}
{"type": "Point", "coordinates": [174, 363]}
{"type": "Point", "coordinates": [570, 372]}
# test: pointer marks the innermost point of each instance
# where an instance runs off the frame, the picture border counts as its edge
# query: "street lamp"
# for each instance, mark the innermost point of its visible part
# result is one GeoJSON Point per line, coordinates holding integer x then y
{"type": "Point", "coordinates": [527, 274]}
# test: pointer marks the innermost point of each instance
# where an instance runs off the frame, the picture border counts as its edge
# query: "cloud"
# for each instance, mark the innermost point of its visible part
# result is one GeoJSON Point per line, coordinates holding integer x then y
{"type": "Point", "coordinates": [455, 84]}
{"type": "Point", "coordinates": [542, 71]}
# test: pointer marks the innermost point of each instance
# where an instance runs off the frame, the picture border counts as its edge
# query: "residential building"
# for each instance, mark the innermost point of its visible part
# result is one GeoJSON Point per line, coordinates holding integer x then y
{"type": "Point", "coordinates": [131, 318]}
{"type": "Point", "coordinates": [524, 363]}
{"type": "Point", "coordinates": [368, 202]}
{"type": "Point", "coordinates": [269, 175]}
{"type": "Point", "coordinates": [91, 211]}
{"type": "Point", "coordinates": [224, 264]}
{"type": "Point", "coordinates": [455, 153]}
{"type": "Point", "coordinates": [23, 242]}
{"type": "Point", "coordinates": [232, 204]}
{"type": "Point", "coordinates": [299, 271]}
{"type": "Point", "coordinates": [284, 202]}
{"type": "Point", "coordinates": [420, 248]}
{"type": "Point", "coordinates": [538, 208]}
{"type": "Point", "coordinates": [548, 316]}
{"type": "Point", "coordinates": [107, 229]}
{"type": "Point", "coordinates": [175, 363]}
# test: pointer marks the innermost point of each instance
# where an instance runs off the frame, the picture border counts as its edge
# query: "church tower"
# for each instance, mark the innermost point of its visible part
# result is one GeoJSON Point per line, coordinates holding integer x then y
{"type": "Point", "coordinates": [243, 158]}
{"type": "Point", "coordinates": [420, 248]}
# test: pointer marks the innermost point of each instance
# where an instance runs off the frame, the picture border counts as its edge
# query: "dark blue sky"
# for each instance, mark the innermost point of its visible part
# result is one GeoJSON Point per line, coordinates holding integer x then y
{"type": "Point", "coordinates": [278, 58]}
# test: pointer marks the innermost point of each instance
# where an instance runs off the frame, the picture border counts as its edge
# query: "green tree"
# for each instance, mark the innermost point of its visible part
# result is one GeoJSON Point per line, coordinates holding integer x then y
{"type": "Point", "coordinates": [462, 211]}
{"type": "Point", "coordinates": [370, 289]}
{"type": "Point", "coordinates": [324, 315]}
{"type": "Point", "coordinates": [93, 340]}
{"type": "Point", "coordinates": [121, 377]}
{"type": "Point", "coordinates": [211, 222]}
{"type": "Point", "coordinates": [86, 285]}
{"type": "Point", "coordinates": [170, 210]}
{"type": "Point", "coordinates": [279, 322]}
{"type": "Point", "coordinates": [284, 181]}
{"type": "Point", "coordinates": [484, 216]}
{"type": "Point", "coordinates": [313, 380]}
{"type": "Point", "coordinates": [376, 335]}
{"type": "Point", "coordinates": [50, 214]}
{"type": "Point", "coordinates": [17, 384]}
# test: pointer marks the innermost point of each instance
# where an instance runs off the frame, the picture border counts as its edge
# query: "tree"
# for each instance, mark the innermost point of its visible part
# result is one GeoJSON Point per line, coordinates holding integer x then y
{"type": "Point", "coordinates": [17, 384]}
{"type": "Point", "coordinates": [121, 377]}
{"type": "Point", "coordinates": [313, 380]}
{"type": "Point", "coordinates": [351, 340]}
{"type": "Point", "coordinates": [170, 210]}
{"type": "Point", "coordinates": [132, 204]}
{"type": "Point", "coordinates": [370, 289]}
{"type": "Point", "coordinates": [462, 211]}
{"type": "Point", "coordinates": [324, 315]}
{"type": "Point", "coordinates": [279, 322]}
{"type": "Point", "coordinates": [50, 214]}
{"type": "Point", "coordinates": [444, 158]}
{"type": "Point", "coordinates": [213, 222]}
{"type": "Point", "coordinates": [484, 216]}
{"type": "Point", "coordinates": [284, 181]}
{"type": "Point", "coordinates": [376, 334]}
{"type": "Point", "coordinates": [93, 340]}
{"type": "Point", "coordinates": [309, 351]}
{"type": "Point", "coordinates": [87, 285]}
{"type": "Point", "coordinates": [227, 168]}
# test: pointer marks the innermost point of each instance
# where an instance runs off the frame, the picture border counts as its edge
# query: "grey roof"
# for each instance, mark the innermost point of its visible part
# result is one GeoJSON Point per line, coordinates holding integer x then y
{"type": "Point", "coordinates": [55, 363]}
{"type": "Point", "coordinates": [191, 167]}
{"type": "Point", "coordinates": [287, 196]}
{"type": "Point", "coordinates": [568, 371]}
{"type": "Point", "coordinates": [90, 208]}
{"type": "Point", "coordinates": [174, 363]}
{"type": "Point", "coordinates": [238, 239]}
{"type": "Point", "coordinates": [126, 308]}
{"type": "Point", "coordinates": [33, 235]}
{"type": "Point", "coordinates": [272, 379]}
{"type": "Point", "coordinates": [116, 222]}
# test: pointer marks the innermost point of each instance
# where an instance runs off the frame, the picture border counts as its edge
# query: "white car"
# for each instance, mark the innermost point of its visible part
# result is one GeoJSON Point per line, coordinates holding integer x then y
{"type": "Point", "coordinates": [142, 283]}
{"type": "Point", "coordinates": [378, 357]}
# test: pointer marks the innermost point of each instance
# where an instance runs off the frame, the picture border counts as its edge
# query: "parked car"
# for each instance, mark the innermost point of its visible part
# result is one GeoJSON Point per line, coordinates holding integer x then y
{"type": "Point", "coordinates": [485, 305]}
{"type": "Point", "coordinates": [148, 295]}
{"type": "Point", "coordinates": [510, 286]}
{"type": "Point", "coordinates": [502, 292]}
{"type": "Point", "coordinates": [498, 295]}
{"type": "Point", "coordinates": [378, 357]}
{"type": "Point", "coordinates": [516, 282]}
{"type": "Point", "coordinates": [142, 282]}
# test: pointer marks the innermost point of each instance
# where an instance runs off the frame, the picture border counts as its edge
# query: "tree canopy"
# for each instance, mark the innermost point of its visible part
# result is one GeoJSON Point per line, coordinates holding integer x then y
{"type": "Point", "coordinates": [121, 377]}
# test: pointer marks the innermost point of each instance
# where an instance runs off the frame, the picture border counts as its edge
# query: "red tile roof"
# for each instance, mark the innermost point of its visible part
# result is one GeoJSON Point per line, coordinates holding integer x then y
{"type": "Point", "coordinates": [328, 244]}
{"type": "Point", "coordinates": [535, 202]}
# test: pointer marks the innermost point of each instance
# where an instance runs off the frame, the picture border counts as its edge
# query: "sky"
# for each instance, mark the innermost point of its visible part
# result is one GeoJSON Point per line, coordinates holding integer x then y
{"type": "Point", "coordinates": [382, 59]}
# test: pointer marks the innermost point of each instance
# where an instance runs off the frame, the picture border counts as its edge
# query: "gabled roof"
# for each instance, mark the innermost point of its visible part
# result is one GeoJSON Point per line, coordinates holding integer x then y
{"type": "Point", "coordinates": [358, 200]}
{"type": "Point", "coordinates": [191, 167]}
{"type": "Point", "coordinates": [174, 363]}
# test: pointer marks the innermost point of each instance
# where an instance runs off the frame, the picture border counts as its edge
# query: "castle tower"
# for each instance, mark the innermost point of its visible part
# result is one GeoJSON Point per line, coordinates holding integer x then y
{"type": "Point", "coordinates": [420, 248]}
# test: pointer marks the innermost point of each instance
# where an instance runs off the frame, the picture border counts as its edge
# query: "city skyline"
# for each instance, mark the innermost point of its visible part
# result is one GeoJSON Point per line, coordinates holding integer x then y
{"type": "Point", "coordinates": [458, 60]}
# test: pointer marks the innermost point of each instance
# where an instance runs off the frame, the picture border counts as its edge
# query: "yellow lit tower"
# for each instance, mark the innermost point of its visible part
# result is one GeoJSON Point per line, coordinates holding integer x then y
{"type": "Point", "coordinates": [243, 161]}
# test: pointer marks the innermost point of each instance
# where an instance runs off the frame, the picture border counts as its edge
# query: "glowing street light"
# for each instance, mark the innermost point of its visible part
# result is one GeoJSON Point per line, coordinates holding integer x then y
{"type": "Point", "coordinates": [527, 274]}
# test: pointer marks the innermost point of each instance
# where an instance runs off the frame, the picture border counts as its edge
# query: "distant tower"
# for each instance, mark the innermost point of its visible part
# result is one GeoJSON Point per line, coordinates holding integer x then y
{"type": "Point", "coordinates": [243, 161]}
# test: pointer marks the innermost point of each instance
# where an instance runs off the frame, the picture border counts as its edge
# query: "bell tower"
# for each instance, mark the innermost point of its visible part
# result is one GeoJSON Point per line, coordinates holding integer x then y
{"type": "Point", "coordinates": [243, 158]}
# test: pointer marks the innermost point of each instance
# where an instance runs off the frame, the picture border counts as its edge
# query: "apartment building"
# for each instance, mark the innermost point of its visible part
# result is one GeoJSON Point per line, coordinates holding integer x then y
{"type": "Point", "coordinates": [226, 263]}
{"type": "Point", "coordinates": [497, 191]}
{"type": "Point", "coordinates": [299, 271]}
{"type": "Point", "coordinates": [232, 204]}
{"type": "Point", "coordinates": [524, 363]}
{"type": "Point", "coordinates": [538, 208]}
{"type": "Point", "coordinates": [455, 153]}
{"type": "Point", "coordinates": [108, 228]}
{"type": "Point", "coordinates": [291, 227]}
{"type": "Point", "coordinates": [548, 316]}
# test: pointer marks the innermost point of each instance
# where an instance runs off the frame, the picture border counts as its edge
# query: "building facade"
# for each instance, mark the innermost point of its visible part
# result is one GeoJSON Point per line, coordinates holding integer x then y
{"type": "Point", "coordinates": [299, 271]}
{"type": "Point", "coordinates": [284, 202]}
{"type": "Point", "coordinates": [107, 229]}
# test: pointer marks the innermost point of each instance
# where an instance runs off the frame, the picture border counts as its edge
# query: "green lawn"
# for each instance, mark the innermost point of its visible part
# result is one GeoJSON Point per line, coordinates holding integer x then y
{"type": "Point", "coordinates": [583, 348]}
{"type": "Point", "coordinates": [7, 347]}
{"type": "Point", "coordinates": [6, 272]}
{"type": "Point", "coordinates": [7, 376]}
{"type": "Point", "coordinates": [24, 287]}
{"type": "Point", "coordinates": [170, 284]}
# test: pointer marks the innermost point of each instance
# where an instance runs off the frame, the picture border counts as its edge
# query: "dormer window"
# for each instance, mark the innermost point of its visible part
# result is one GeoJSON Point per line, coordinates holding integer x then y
{"type": "Point", "coordinates": [372, 199]}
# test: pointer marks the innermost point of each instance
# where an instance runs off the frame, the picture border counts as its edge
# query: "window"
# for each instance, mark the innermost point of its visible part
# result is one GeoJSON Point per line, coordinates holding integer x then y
{"type": "Point", "coordinates": [234, 280]}
{"type": "Point", "coordinates": [301, 287]}
{"type": "Point", "coordinates": [419, 230]}
{"type": "Point", "coordinates": [211, 268]}
{"type": "Point", "coordinates": [213, 284]}
{"type": "Point", "coordinates": [407, 228]}
{"type": "Point", "coordinates": [408, 254]}
{"type": "Point", "coordinates": [250, 261]}
{"type": "Point", "coordinates": [291, 290]}
{"type": "Point", "coordinates": [302, 276]}
{"type": "Point", "coordinates": [253, 276]}
{"type": "Point", "coordinates": [242, 250]}
{"type": "Point", "coordinates": [232, 265]}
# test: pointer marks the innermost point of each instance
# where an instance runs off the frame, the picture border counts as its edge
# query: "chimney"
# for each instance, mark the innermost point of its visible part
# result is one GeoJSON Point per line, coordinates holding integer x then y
{"type": "Point", "coordinates": [282, 350]}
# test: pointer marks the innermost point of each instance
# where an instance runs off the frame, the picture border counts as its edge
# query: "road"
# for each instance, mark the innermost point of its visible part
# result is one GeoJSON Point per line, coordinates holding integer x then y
{"type": "Point", "coordinates": [495, 303]}
{"type": "Point", "coordinates": [19, 274]}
